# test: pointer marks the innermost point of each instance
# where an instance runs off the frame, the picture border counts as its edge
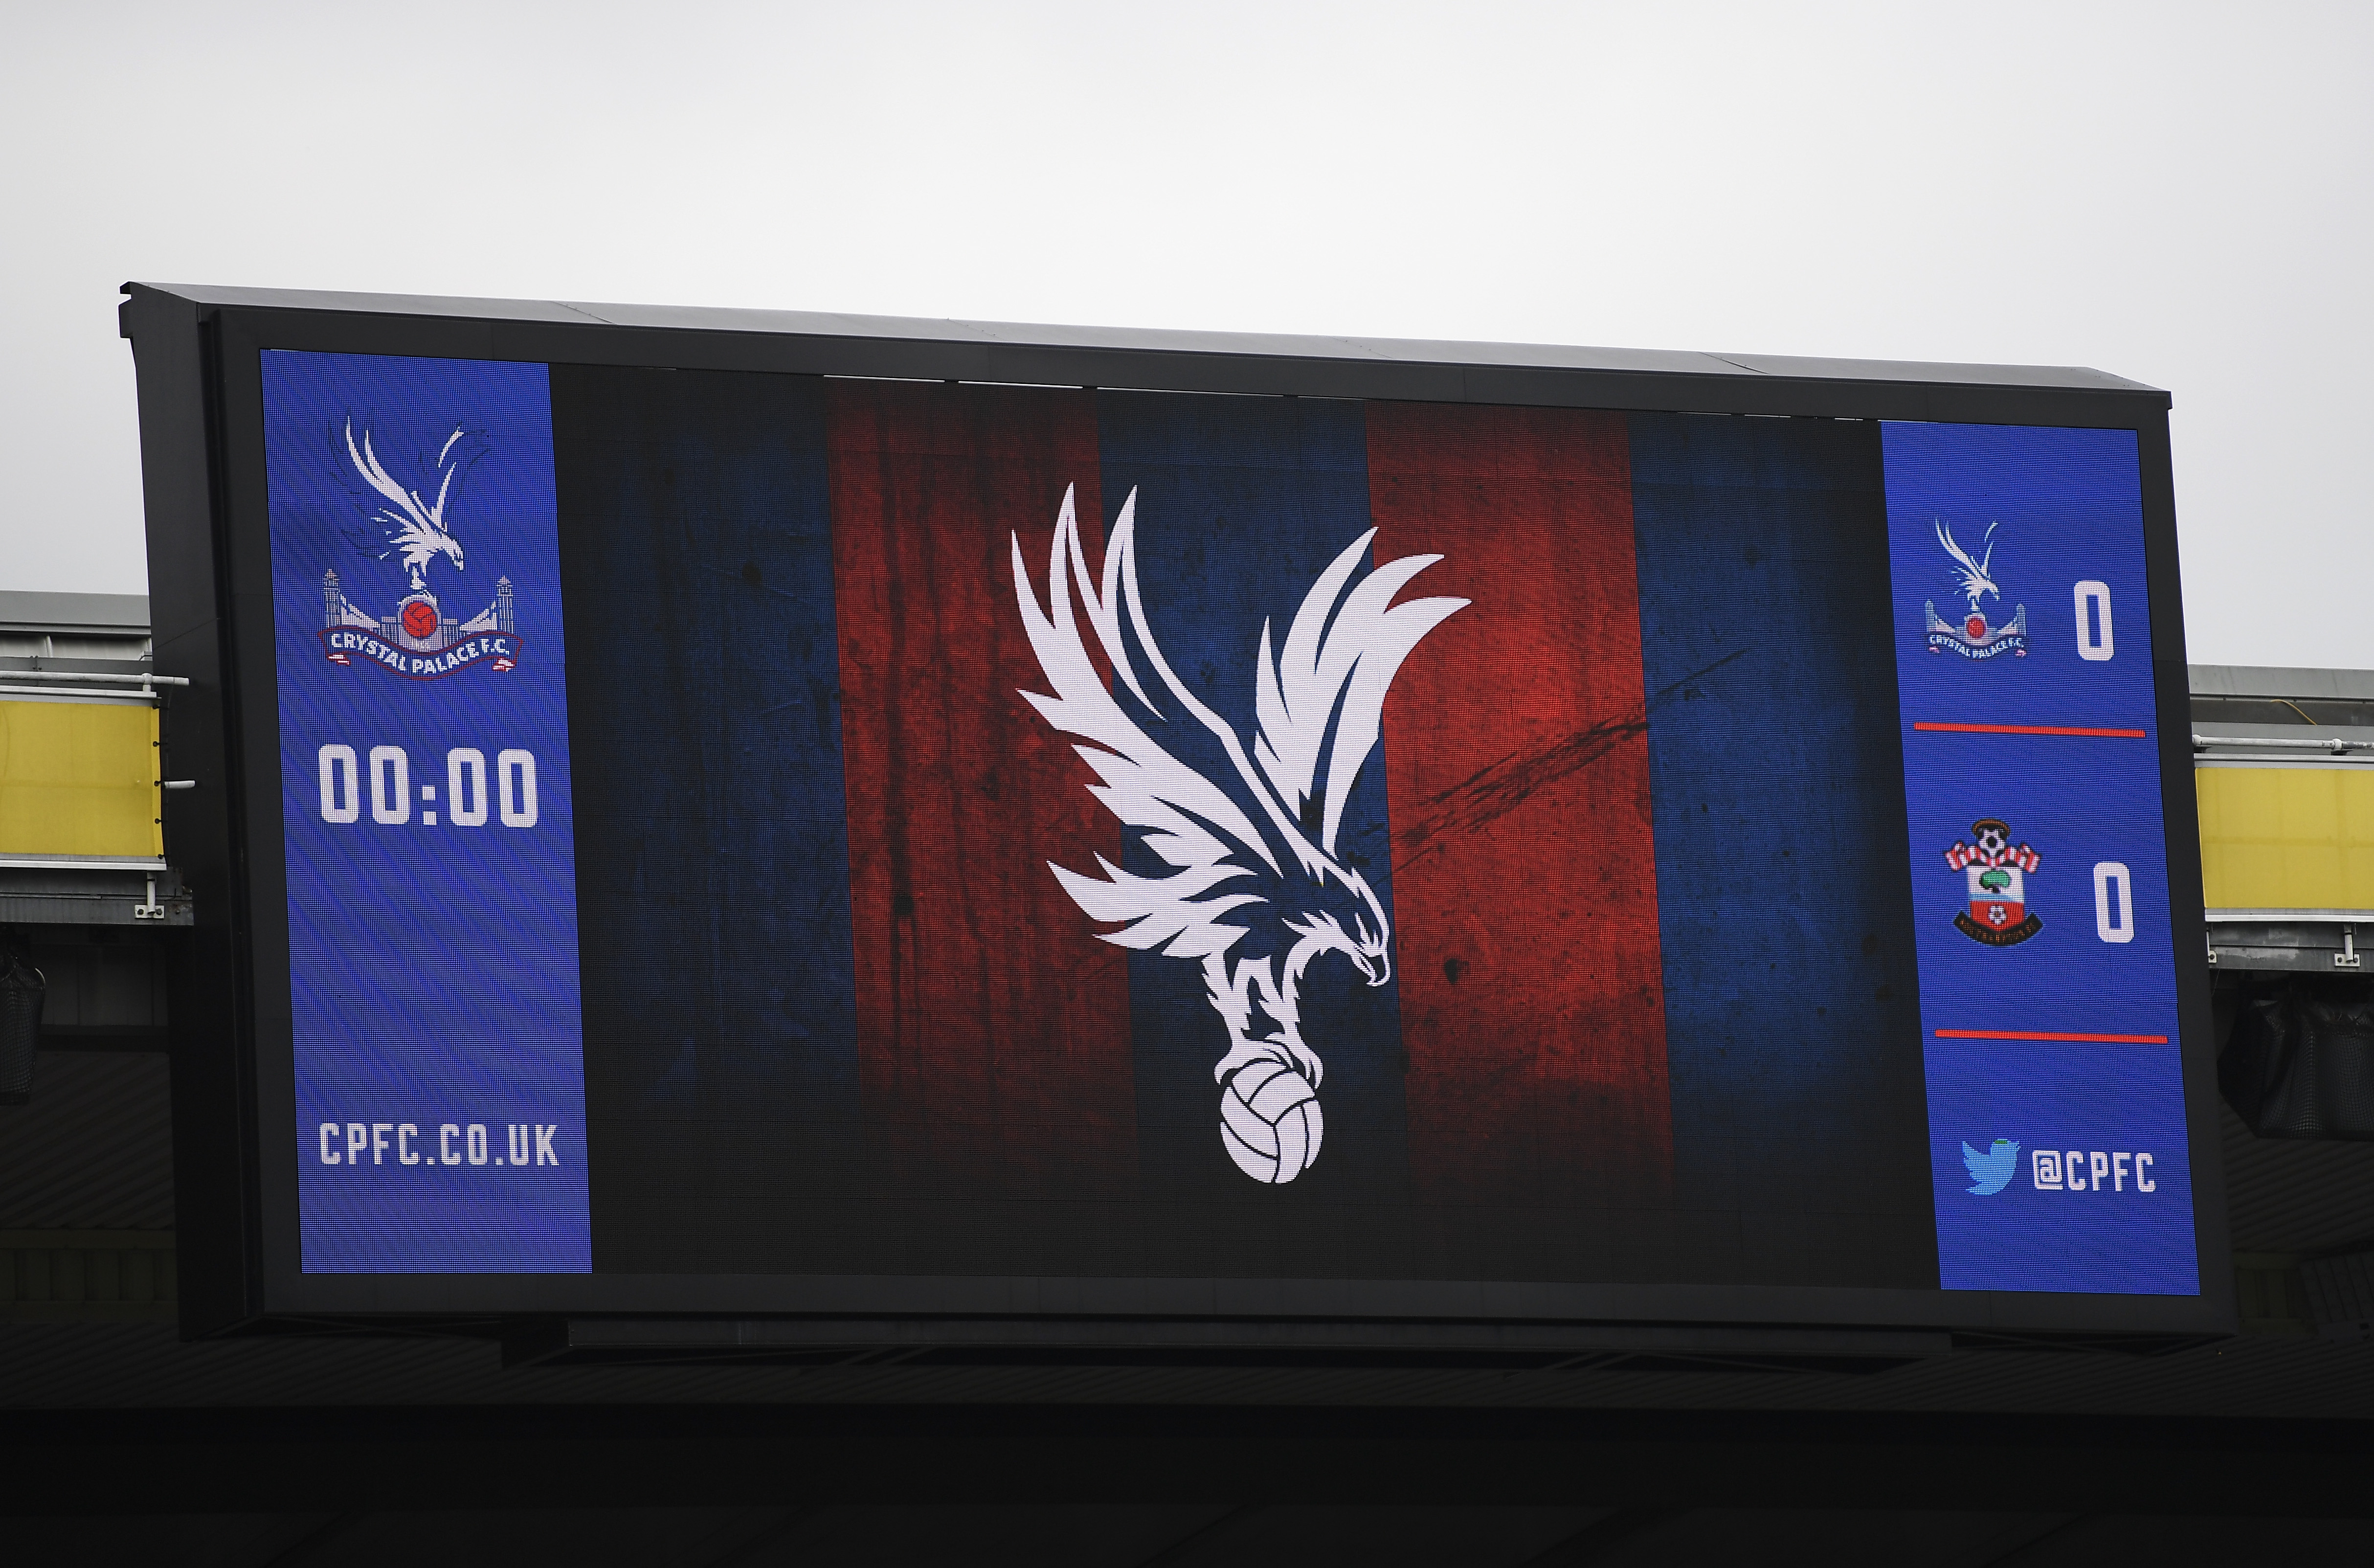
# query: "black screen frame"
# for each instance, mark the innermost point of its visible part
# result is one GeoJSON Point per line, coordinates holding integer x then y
{"type": "Point", "coordinates": [201, 411]}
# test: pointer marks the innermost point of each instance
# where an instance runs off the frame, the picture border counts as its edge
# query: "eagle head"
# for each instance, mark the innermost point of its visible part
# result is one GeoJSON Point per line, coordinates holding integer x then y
{"type": "Point", "coordinates": [1353, 924]}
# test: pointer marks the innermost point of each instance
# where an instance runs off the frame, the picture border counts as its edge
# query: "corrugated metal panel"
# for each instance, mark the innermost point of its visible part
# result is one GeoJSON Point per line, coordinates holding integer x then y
{"type": "Point", "coordinates": [24, 611]}
{"type": "Point", "coordinates": [100, 980]}
{"type": "Point", "coordinates": [2269, 1296]}
{"type": "Point", "coordinates": [2269, 681]}
{"type": "Point", "coordinates": [80, 1276]}
{"type": "Point", "coordinates": [2294, 1196]}
{"type": "Point", "coordinates": [94, 1150]}
{"type": "Point", "coordinates": [2341, 1293]}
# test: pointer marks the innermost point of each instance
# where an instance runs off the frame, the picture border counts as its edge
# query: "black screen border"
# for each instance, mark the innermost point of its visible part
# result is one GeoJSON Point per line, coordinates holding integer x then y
{"type": "Point", "coordinates": [202, 434]}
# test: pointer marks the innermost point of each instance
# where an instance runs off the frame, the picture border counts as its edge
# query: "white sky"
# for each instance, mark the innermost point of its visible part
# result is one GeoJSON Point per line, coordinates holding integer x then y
{"type": "Point", "coordinates": [2178, 194]}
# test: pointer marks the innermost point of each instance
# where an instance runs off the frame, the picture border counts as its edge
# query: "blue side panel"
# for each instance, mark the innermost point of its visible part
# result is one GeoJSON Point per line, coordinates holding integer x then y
{"type": "Point", "coordinates": [2090, 1189]}
{"type": "Point", "coordinates": [425, 789]}
{"type": "Point", "coordinates": [1783, 912]}
{"type": "Point", "coordinates": [2039, 865]}
{"type": "Point", "coordinates": [720, 1040]}
{"type": "Point", "coordinates": [1242, 502]}
{"type": "Point", "coordinates": [2042, 511]}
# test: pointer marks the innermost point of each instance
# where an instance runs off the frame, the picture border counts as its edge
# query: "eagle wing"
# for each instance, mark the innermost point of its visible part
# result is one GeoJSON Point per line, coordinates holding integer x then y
{"type": "Point", "coordinates": [1194, 825]}
{"type": "Point", "coordinates": [414, 529]}
{"type": "Point", "coordinates": [1973, 573]}
{"type": "Point", "coordinates": [1330, 679]}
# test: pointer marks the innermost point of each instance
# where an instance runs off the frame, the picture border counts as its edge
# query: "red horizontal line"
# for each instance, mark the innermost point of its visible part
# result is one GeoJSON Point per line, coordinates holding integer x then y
{"type": "Point", "coordinates": [2031, 1034]}
{"type": "Point", "coordinates": [2036, 729]}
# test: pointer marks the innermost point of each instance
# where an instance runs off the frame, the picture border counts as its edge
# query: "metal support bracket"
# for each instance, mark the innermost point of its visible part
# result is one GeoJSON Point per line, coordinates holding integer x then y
{"type": "Point", "coordinates": [152, 910]}
{"type": "Point", "coordinates": [2347, 957]}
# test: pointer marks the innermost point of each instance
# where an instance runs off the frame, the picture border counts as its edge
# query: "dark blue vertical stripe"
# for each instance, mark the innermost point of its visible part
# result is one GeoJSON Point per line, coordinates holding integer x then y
{"type": "Point", "coordinates": [712, 833]}
{"type": "Point", "coordinates": [1784, 913]}
{"type": "Point", "coordinates": [1242, 502]}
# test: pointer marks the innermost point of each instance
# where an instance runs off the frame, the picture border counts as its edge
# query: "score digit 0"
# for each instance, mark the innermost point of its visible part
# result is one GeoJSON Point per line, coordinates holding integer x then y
{"type": "Point", "coordinates": [2114, 902]}
{"type": "Point", "coordinates": [2094, 642]}
{"type": "Point", "coordinates": [391, 792]}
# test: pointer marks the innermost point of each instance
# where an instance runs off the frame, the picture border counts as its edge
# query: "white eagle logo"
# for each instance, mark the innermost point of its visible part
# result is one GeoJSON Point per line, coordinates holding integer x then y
{"type": "Point", "coordinates": [414, 529]}
{"type": "Point", "coordinates": [1256, 889]}
{"type": "Point", "coordinates": [1977, 581]}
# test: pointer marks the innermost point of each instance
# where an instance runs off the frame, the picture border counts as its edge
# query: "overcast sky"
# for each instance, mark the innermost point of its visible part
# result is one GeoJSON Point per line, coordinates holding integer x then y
{"type": "Point", "coordinates": [2177, 194]}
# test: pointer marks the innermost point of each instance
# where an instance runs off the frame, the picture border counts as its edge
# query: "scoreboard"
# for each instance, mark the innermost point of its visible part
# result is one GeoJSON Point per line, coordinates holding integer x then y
{"type": "Point", "coordinates": [719, 813]}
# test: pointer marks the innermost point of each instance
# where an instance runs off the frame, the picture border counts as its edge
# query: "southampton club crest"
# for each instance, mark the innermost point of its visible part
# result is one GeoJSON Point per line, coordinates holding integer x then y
{"type": "Point", "coordinates": [1998, 913]}
{"type": "Point", "coordinates": [1973, 638]}
{"type": "Point", "coordinates": [417, 640]}
{"type": "Point", "coordinates": [1256, 890]}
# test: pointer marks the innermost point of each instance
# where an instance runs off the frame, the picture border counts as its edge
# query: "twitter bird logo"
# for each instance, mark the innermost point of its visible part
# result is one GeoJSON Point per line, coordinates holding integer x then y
{"type": "Point", "coordinates": [1991, 1172]}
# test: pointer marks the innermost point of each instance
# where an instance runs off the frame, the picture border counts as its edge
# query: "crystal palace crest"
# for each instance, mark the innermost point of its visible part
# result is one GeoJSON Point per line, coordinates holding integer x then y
{"type": "Point", "coordinates": [1973, 637]}
{"type": "Point", "coordinates": [417, 639]}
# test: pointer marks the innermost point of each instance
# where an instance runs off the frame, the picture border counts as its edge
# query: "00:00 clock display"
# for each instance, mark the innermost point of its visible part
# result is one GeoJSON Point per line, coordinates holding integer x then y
{"type": "Point", "coordinates": [392, 793]}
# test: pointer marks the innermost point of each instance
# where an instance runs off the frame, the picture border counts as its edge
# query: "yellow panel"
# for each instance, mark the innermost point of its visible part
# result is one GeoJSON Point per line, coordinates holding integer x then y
{"type": "Point", "coordinates": [78, 778]}
{"type": "Point", "coordinates": [2286, 837]}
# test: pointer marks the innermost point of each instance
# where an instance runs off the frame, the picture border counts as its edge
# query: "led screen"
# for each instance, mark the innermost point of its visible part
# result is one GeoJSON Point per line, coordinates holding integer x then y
{"type": "Point", "coordinates": [749, 824]}
{"type": "Point", "coordinates": [424, 731]}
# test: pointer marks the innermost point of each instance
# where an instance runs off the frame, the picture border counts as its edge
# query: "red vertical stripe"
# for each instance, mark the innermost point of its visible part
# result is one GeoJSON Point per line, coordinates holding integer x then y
{"type": "Point", "coordinates": [1524, 876]}
{"type": "Point", "coordinates": [993, 1029]}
